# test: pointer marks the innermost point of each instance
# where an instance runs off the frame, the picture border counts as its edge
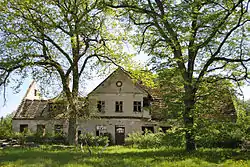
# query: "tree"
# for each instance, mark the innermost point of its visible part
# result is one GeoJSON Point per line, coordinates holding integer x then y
{"type": "Point", "coordinates": [6, 127]}
{"type": "Point", "coordinates": [200, 38]}
{"type": "Point", "coordinates": [62, 39]}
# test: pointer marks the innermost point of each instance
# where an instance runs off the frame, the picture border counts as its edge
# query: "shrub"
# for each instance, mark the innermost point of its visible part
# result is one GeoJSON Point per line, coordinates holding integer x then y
{"type": "Point", "coordinates": [6, 127]}
{"type": "Point", "coordinates": [91, 140]}
{"type": "Point", "coordinates": [220, 134]}
{"type": "Point", "coordinates": [172, 137]}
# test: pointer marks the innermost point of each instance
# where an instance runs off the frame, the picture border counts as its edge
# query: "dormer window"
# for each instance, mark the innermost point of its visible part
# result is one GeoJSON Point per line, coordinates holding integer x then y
{"type": "Point", "coordinates": [137, 106]}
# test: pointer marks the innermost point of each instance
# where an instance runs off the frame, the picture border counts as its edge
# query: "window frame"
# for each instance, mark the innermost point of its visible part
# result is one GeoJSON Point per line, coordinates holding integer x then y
{"type": "Point", "coordinates": [101, 106]}
{"type": "Point", "coordinates": [56, 131]}
{"type": "Point", "coordinates": [118, 106]}
{"type": "Point", "coordinates": [23, 128]}
{"type": "Point", "coordinates": [41, 127]}
{"type": "Point", "coordinates": [137, 106]}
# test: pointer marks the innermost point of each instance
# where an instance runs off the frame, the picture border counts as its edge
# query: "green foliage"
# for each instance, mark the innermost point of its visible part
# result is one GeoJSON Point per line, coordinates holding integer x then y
{"type": "Point", "coordinates": [172, 138]}
{"type": "Point", "coordinates": [39, 139]}
{"type": "Point", "coordinates": [215, 98]}
{"type": "Point", "coordinates": [118, 156]}
{"type": "Point", "coordinates": [212, 133]}
{"type": "Point", "coordinates": [91, 140]}
{"type": "Point", "coordinates": [6, 127]}
{"type": "Point", "coordinates": [202, 40]}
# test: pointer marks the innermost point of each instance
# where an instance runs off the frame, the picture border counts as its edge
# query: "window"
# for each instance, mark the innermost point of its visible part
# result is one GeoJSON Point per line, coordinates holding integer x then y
{"type": "Point", "coordinates": [101, 130]}
{"type": "Point", "coordinates": [165, 128]}
{"type": "Point", "coordinates": [58, 129]}
{"type": "Point", "coordinates": [35, 92]}
{"type": "Point", "coordinates": [146, 102]}
{"type": "Point", "coordinates": [23, 128]}
{"type": "Point", "coordinates": [119, 83]}
{"type": "Point", "coordinates": [118, 106]}
{"type": "Point", "coordinates": [40, 130]}
{"type": "Point", "coordinates": [148, 129]}
{"type": "Point", "coordinates": [137, 106]}
{"type": "Point", "coordinates": [79, 132]}
{"type": "Point", "coordinates": [101, 106]}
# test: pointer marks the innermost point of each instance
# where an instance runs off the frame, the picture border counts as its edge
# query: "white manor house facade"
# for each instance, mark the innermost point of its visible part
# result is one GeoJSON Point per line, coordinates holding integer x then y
{"type": "Point", "coordinates": [120, 106]}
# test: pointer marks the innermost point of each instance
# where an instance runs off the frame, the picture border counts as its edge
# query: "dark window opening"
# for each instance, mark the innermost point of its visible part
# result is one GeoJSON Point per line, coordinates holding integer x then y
{"type": "Point", "coordinates": [58, 129]}
{"type": "Point", "coordinates": [118, 106]}
{"type": "Point", "coordinates": [146, 102]}
{"type": "Point", "coordinates": [79, 132]}
{"type": "Point", "coordinates": [101, 106]}
{"type": "Point", "coordinates": [137, 106]}
{"type": "Point", "coordinates": [149, 129]}
{"type": "Point", "coordinates": [23, 128]}
{"type": "Point", "coordinates": [35, 92]}
{"type": "Point", "coordinates": [97, 133]}
{"type": "Point", "coordinates": [40, 130]}
{"type": "Point", "coordinates": [165, 128]}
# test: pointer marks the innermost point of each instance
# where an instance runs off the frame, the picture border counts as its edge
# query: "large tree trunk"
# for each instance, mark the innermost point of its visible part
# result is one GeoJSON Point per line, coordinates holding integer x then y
{"type": "Point", "coordinates": [188, 117]}
{"type": "Point", "coordinates": [72, 138]}
{"type": "Point", "coordinates": [72, 118]}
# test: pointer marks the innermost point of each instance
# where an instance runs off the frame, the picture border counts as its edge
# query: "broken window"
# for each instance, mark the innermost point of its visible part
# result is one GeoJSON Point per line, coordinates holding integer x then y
{"type": "Point", "coordinates": [58, 129]}
{"type": "Point", "coordinates": [101, 106]}
{"type": "Point", "coordinates": [149, 129]}
{"type": "Point", "coordinates": [23, 128]}
{"type": "Point", "coordinates": [40, 130]}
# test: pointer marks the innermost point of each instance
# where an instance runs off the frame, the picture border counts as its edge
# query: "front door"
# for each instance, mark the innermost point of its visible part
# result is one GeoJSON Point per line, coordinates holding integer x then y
{"type": "Point", "coordinates": [119, 135]}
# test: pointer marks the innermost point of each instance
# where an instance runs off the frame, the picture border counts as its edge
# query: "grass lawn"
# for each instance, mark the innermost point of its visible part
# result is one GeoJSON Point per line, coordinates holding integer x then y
{"type": "Point", "coordinates": [118, 156]}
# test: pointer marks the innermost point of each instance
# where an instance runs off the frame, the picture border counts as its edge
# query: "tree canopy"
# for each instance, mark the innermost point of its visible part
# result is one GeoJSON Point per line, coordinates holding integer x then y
{"type": "Point", "coordinates": [200, 38]}
{"type": "Point", "coordinates": [62, 40]}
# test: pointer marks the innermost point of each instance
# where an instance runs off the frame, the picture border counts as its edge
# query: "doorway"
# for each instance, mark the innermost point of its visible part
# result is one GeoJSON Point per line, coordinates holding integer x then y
{"type": "Point", "coordinates": [119, 135]}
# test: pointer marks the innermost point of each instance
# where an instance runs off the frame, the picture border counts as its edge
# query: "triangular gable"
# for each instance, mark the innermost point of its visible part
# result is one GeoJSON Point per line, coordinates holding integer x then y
{"type": "Point", "coordinates": [109, 84]}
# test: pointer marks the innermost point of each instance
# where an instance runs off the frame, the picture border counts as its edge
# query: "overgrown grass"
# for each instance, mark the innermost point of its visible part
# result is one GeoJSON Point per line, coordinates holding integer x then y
{"type": "Point", "coordinates": [123, 157]}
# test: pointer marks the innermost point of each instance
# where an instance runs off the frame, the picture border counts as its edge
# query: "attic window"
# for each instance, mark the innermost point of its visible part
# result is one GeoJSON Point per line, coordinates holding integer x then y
{"type": "Point", "coordinates": [119, 83]}
{"type": "Point", "coordinates": [35, 92]}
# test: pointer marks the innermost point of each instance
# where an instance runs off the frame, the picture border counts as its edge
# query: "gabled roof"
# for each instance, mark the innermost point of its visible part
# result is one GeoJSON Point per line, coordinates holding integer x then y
{"type": "Point", "coordinates": [32, 109]}
{"type": "Point", "coordinates": [140, 87]}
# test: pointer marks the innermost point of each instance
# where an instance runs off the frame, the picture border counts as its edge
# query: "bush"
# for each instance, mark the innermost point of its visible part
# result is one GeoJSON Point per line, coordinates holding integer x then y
{"type": "Point", "coordinates": [39, 139]}
{"type": "Point", "coordinates": [91, 140]}
{"type": "Point", "coordinates": [220, 134]}
{"type": "Point", "coordinates": [148, 140]}
{"type": "Point", "coordinates": [6, 127]}
{"type": "Point", "coordinates": [172, 137]}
